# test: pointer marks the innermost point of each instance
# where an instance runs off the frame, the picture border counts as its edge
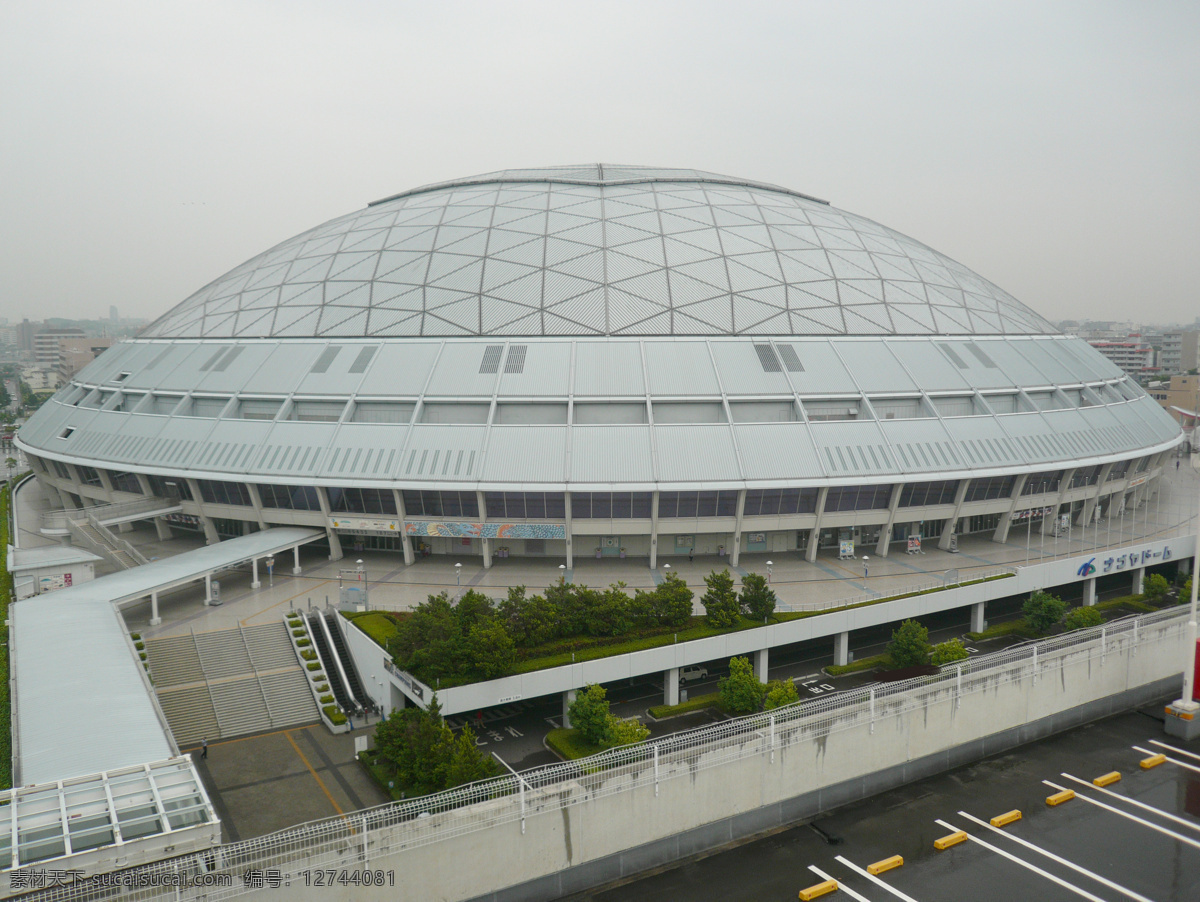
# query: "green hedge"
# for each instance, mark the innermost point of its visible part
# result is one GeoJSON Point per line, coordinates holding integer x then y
{"type": "Point", "coordinates": [882, 660]}
{"type": "Point", "coordinates": [335, 715]}
{"type": "Point", "coordinates": [568, 744]}
{"type": "Point", "coordinates": [1016, 627]}
{"type": "Point", "coordinates": [313, 665]}
{"type": "Point", "coordinates": [379, 626]}
{"type": "Point", "coordinates": [698, 703]}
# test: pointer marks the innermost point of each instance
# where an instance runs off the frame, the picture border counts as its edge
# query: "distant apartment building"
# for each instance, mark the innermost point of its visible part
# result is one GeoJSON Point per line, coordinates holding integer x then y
{"type": "Point", "coordinates": [1178, 351]}
{"type": "Point", "coordinates": [1180, 397]}
{"type": "Point", "coordinates": [76, 353]}
{"type": "Point", "coordinates": [1132, 355]}
{"type": "Point", "coordinates": [45, 345]}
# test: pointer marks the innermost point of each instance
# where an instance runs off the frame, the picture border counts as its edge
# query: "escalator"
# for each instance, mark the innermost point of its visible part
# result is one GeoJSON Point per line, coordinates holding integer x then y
{"type": "Point", "coordinates": [330, 664]}
{"type": "Point", "coordinates": [339, 645]}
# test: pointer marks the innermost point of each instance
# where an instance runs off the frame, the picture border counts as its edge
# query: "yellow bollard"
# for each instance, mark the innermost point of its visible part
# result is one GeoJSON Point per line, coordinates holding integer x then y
{"type": "Point", "coordinates": [1107, 779]}
{"type": "Point", "coordinates": [951, 840]}
{"type": "Point", "coordinates": [818, 889]}
{"type": "Point", "coordinates": [1152, 761]}
{"type": "Point", "coordinates": [1059, 797]}
{"type": "Point", "coordinates": [1008, 817]}
{"type": "Point", "coordinates": [886, 865]}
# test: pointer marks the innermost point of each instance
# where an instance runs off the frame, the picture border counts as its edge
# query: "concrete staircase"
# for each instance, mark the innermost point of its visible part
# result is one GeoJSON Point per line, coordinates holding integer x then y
{"type": "Point", "coordinates": [230, 683]}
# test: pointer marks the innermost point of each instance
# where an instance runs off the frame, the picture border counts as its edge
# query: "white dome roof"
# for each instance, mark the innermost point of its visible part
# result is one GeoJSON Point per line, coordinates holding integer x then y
{"type": "Point", "coordinates": [598, 250]}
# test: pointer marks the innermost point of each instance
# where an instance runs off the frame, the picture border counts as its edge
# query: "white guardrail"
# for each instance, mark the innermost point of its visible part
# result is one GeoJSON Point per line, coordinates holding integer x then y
{"type": "Point", "coordinates": [354, 840]}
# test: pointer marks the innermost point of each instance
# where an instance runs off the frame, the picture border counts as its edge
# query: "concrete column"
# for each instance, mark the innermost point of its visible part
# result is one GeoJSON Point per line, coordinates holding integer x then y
{"type": "Point", "coordinates": [815, 536]}
{"type": "Point", "coordinates": [256, 502]}
{"type": "Point", "coordinates": [335, 544]}
{"type": "Point", "coordinates": [210, 531]}
{"type": "Point", "coordinates": [654, 530]}
{"type": "Point", "coordinates": [155, 620]}
{"type": "Point", "coordinates": [1089, 592]}
{"type": "Point", "coordinates": [885, 534]}
{"type": "Point", "coordinates": [568, 697]}
{"type": "Point", "coordinates": [487, 553]}
{"type": "Point", "coordinates": [760, 664]}
{"type": "Point", "coordinates": [405, 539]}
{"type": "Point", "coordinates": [1049, 525]}
{"type": "Point", "coordinates": [1139, 580]}
{"type": "Point", "coordinates": [296, 571]}
{"type": "Point", "coordinates": [144, 484]}
{"type": "Point", "coordinates": [255, 582]}
{"type": "Point", "coordinates": [1001, 533]}
{"type": "Point", "coordinates": [1089, 506]}
{"type": "Point", "coordinates": [1185, 566]}
{"type": "Point", "coordinates": [105, 482]}
{"type": "Point", "coordinates": [163, 529]}
{"type": "Point", "coordinates": [569, 526]}
{"type": "Point", "coordinates": [125, 527]}
{"type": "Point", "coordinates": [484, 544]}
{"type": "Point", "coordinates": [841, 649]}
{"type": "Point", "coordinates": [736, 552]}
{"type": "Point", "coordinates": [671, 686]}
{"type": "Point", "coordinates": [208, 588]}
{"type": "Point", "coordinates": [948, 530]}
{"type": "Point", "coordinates": [978, 623]}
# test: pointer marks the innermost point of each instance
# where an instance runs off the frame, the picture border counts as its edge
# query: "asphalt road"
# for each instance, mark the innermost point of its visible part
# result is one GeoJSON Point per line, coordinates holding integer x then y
{"type": "Point", "coordinates": [1076, 850]}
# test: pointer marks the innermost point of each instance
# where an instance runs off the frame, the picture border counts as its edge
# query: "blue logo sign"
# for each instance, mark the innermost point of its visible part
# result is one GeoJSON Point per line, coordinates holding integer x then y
{"type": "Point", "coordinates": [1087, 568]}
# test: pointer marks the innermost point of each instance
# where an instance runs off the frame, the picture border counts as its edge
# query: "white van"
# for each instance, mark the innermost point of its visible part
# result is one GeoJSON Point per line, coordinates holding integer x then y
{"type": "Point", "coordinates": [695, 672]}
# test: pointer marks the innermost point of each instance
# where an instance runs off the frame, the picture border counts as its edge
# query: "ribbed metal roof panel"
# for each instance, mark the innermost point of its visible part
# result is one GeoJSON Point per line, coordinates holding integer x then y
{"type": "Point", "coordinates": [823, 371]}
{"type": "Point", "coordinates": [608, 368]}
{"type": "Point", "coordinates": [853, 449]}
{"type": "Point", "coordinates": [338, 369]}
{"type": "Point", "coordinates": [932, 371]}
{"type": "Point", "coordinates": [616, 454]}
{"type": "Point", "coordinates": [400, 369]}
{"type": "Point", "coordinates": [294, 449]}
{"type": "Point", "coordinates": [430, 446]}
{"type": "Point", "coordinates": [532, 454]}
{"type": "Point", "coordinates": [777, 451]}
{"type": "Point", "coordinates": [458, 371]}
{"type": "Point", "coordinates": [874, 367]}
{"type": "Point", "coordinates": [236, 368]}
{"type": "Point", "coordinates": [286, 366]}
{"type": "Point", "coordinates": [923, 446]}
{"type": "Point", "coordinates": [744, 371]}
{"type": "Point", "coordinates": [982, 443]}
{"type": "Point", "coordinates": [680, 368]}
{"type": "Point", "coordinates": [695, 453]}
{"type": "Point", "coordinates": [233, 446]}
{"type": "Point", "coordinates": [544, 370]}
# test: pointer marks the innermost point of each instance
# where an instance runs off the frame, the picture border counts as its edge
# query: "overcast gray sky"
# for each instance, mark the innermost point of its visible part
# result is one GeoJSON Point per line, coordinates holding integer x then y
{"type": "Point", "coordinates": [148, 147]}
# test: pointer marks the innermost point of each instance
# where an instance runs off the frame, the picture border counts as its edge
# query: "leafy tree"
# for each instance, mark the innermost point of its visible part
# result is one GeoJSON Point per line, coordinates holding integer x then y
{"type": "Point", "coordinates": [490, 650]}
{"type": "Point", "coordinates": [530, 621]}
{"type": "Point", "coordinates": [948, 652]}
{"type": "Point", "coordinates": [609, 613]}
{"type": "Point", "coordinates": [626, 732]}
{"type": "Point", "coordinates": [5, 397]}
{"type": "Point", "coordinates": [1082, 618]}
{"type": "Point", "coordinates": [465, 763]}
{"type": "Point", "coordinates": [741, 692]}
{"type": "Point", "coordinates": [758, 600]}
{"type": "Point", "coordinates": [673, 603]}
{"type": "Point", "coordinates": [430, 640]}
{"type": "Point", "coordinates": [1156, 586]}
{"type": "Point", "coordinates": [1042, 610]}
{"type": "Point", "coordinates": [910, 645]}
{"type": "Point", "coordinates": [589, 714]}
{"type": "Point", "coordinates": [1185, 594]}
{"type": "Point", "coordinates": [472, 609]}
{"type": "Point", "coordinates": [780, 693]}
{"type": "Point", "coordinates": [415, 741]}
{"type": "Point", "coordinates": [720, 601]}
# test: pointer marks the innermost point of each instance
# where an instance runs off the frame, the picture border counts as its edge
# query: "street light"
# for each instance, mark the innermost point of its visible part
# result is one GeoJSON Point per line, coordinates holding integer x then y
{"type": "Point", "coordinates": [865, 561]}
{"type": "Point", "coordinates": [769, 565]}
{"type": "Point", "coordinates": [458, 574]}
{"type": "Point", "coordinates": [270, 562]}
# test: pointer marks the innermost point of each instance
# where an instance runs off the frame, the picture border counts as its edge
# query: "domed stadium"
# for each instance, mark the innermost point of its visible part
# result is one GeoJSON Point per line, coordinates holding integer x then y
{"type": "Point", "coordinates": [603, 361]}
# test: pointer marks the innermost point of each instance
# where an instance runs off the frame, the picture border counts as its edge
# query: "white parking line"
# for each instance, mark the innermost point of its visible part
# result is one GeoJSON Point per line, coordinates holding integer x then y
{"type": "Point", "coordinates": [842, 888]}
{"type": "Point", "coordinates": [1174, 748]}
{"type": "Point", "coordinates": [891, 889]}
{"type": "Point", "coordinates": [1070, 864]}
{"type": "Point", "coordinates": [1132, 817]}
{"type": "Point", "coordinates": [1175, 761]}
{"type": "Point", "coordinates": [1078, 890]}
{"type": "Point", "coordinates": [1116, 795]}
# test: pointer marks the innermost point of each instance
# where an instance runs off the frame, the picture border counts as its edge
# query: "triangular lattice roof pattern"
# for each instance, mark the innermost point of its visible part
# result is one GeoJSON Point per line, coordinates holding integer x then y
{"type": "Point", "coordinates": [593, 251]}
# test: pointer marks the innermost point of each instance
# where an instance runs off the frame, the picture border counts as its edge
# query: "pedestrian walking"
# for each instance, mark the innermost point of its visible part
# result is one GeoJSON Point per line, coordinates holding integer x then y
{"type": "Point", "coordinates": [203, 748]}
{"type": "Point", "coordinates": [1177, 463]}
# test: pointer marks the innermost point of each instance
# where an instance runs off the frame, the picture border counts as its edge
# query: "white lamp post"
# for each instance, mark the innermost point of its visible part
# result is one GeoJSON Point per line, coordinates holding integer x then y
{"type": "Point", "coordinates": [769, 565]}
{"type": "Point", "coordinates": [866, 560]}
{"type": "Point", "coordinates": [458, 575]}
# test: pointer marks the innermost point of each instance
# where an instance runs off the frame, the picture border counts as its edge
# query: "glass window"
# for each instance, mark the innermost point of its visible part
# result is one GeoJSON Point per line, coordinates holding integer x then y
{"type": "Point", "coordinates": [289, 497]}
{"type": "Point", "coordinates": [217, 492]}
{"type": "Point", "coordinates": [920, 494]}
{"type": "Point", "coordinates": [1041, 483]}
{"type": "Point", "coordinates": [989, 489]}
{"type": "Point", "coordinates": [88, 475]}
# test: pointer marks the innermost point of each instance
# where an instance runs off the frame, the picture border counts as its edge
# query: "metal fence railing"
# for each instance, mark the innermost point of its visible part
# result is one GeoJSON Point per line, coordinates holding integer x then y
{"type": "Point", "coordinates": [354, 840]}
{"type": "Point", "coordinates": [948, 581]}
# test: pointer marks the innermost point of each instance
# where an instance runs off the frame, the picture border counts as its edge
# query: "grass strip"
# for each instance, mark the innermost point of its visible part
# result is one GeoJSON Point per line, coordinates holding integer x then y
{"type": "Point", "coordinates": [568, 744]}
{"type": "Point", "coordinates": [698, 703]}
{"type": "Point", "coordinates": [880, 660]}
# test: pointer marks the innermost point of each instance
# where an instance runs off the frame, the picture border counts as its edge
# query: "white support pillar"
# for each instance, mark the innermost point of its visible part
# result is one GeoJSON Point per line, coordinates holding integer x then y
{"type": "Point", "coordinates": [163, 529]}
{"type": "Point", "coordinates": [1050, 524]}
{"type": "Point", "coordinates": [568, 697]}
{"type": "Point", "coordinates": [841, 649]}
{"type": "Point", "coordinates": [335, 544]}
{"type": "Point", "coordinates": [256, 502]}
{"type": "Point", "coordinates": [814, 537]}
{"type": "Point", "coordinates": [484, 544]}
{"type": "Point", "coordinates": [760, 664]}
{"type": "Point", "coordinates": [736, 552]}
{"type": "Point", "coordinates": [671, 686]}
{"type": "Point", "coordinates": [405, 539]}
{"type": "Point", "coordinates": [1087, 515]}
{"type": "Point", "coordinates": [885, 534]}
{"type": "Point", "coordinates": [210, 530]}
{"type": "Point", "coordinates": [1001, 533]}
{"type": "Point", "coordinates": [654, 530]}
{"type": "Point", "coordinates": [255, 582]}
{"type": "Point", "coordinates": [296, 571]}
{"type": "Point", "coordinates": [208, 599]}
{"type": "Point", "coordinates": [978, 623]}
{"type": "Point", "coordinates": [568, 526]}
{"type": "Point", "coordinates": [155, 620]}
{"type": "Point", "coordinates": [1139, 580]}
{"type": "Point", "coordinates": [487, 553]}
{"type": "Point", "coordinates": [1089, 592]}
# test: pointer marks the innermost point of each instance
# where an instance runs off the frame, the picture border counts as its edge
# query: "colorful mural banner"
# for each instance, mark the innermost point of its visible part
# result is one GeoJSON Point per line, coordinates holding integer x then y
{"type": "Point", "coordinates": [487, 530]}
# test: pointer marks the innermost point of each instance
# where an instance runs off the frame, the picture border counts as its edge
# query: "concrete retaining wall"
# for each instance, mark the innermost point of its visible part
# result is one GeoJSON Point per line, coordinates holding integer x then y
{"type": "Point", "coordinates": [583, 833]}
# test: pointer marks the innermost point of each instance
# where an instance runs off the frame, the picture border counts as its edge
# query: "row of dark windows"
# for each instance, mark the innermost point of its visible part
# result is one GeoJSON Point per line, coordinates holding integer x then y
{"type": "Point", "coordinates": [777, 502]}
{"type": "Point", "coordinates": [451, 504]}
{"type": "Point", "coordinates": [922, 494]}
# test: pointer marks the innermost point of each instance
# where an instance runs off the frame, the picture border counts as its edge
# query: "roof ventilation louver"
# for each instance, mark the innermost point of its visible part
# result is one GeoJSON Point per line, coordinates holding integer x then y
{"type": "Point", "coordinates": [363, 360]}
{"type": "Point", "coordinates": [983, 358]}
{"type": "Point", "coordinates": [953, 355]}
{"type": "Point", "coordinates": [208, 364]}
{"type": "Point", "coordinates": [515, 362]}
{"type": "Point", "coordinates": [223, 364]}
{"type": "Point", "coordinates": [791, 359]}
{"type": "Point", "coordinates": [491, 359]}
{"type": "Point", "coordinates": [766, 357]}
{"type": "Point", "coordinates": [326, 358]}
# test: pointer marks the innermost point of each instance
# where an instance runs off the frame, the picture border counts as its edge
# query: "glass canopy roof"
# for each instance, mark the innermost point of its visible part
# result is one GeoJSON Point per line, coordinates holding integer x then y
{"type": "Point", "coordinates": [598, 250]}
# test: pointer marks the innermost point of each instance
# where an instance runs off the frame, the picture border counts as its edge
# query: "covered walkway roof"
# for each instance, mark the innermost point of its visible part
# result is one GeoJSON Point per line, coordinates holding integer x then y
{"type": "Point", "coordinates": [82, 703]}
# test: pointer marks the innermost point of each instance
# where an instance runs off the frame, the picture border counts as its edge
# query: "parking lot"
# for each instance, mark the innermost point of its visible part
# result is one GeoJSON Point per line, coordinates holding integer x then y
{"type": "Point", "coordinates": [1138, 838]}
